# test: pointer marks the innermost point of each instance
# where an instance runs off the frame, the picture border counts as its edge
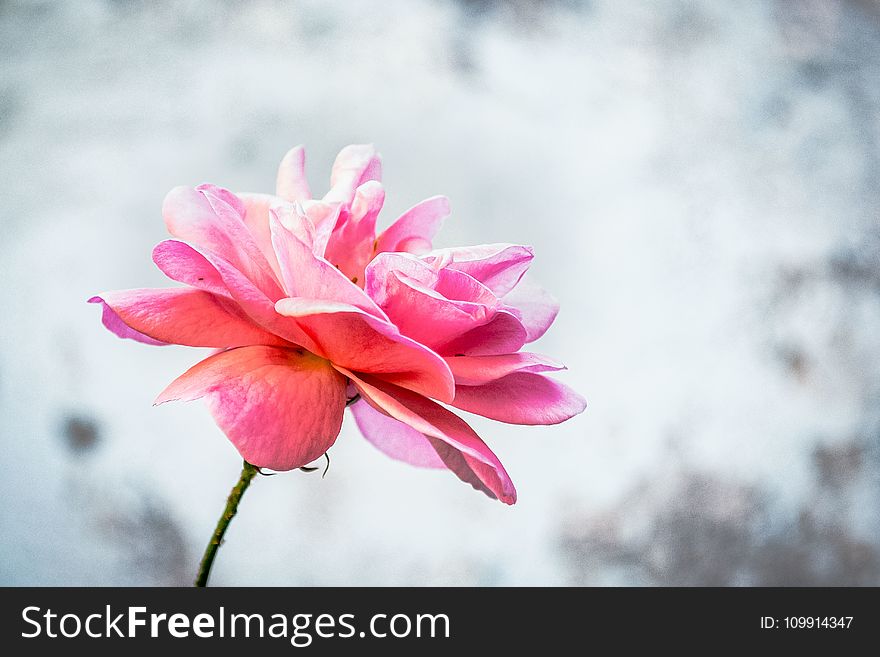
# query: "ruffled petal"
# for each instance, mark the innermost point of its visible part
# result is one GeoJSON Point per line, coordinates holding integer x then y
{"type": "Point", "coordinates": [185, 264]}
{"type": "Point", "coordinates": [281, 408]}
{"type": "Point", "coordinates": [414, 230]}
{"type": "Point", "coordinates": [324, 216]}
{"type": "Point", "coordinates": [114, 324]}
{"type": "Point", "coordinates": [535, 307]}
{"type": "Point", "coordinates": [477, 370]}
{"type": "Point", "coordinates": [291, 183]}
{"type": "Point", "coordinates": [355, 165]}
{"type": "Point", "coordinates": [356, 340]}
{"type": "Point", "coordinates": [497, 266]}
{"type": "Point", "coordinates": [350, 244]}
{"type": "Point", "coordinates": [184, 316]}
{"type": "Point", "coordinates": [521, 398]}
{"type": "Point", "coordinates": [394, 438]}
{"type": "Point", "coordinates": [182, 263]}
{"type": "Point", "coordinates": [440, 308]}
{"type": "Point", "coordinates": [457, 445]}
{"type": "Point", "coordinates": [213, 220]}
{"type": "Point", "coordinates": [306, 275]}
{"type": "Point", "coordinates": [425, 316]}
{"type": "Point", "coordinates": [256, 217]}
{"type": "Point", "coordinates": [504, 334]}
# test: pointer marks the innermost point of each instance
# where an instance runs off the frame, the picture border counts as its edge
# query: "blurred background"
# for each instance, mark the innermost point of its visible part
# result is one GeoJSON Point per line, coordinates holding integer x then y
{"type": "Point", "coordinates": [699, 180]}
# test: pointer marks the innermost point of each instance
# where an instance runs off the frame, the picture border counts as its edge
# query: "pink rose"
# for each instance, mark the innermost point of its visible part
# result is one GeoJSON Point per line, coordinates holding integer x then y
{"type": "Point", "coordinates": [311, 310]}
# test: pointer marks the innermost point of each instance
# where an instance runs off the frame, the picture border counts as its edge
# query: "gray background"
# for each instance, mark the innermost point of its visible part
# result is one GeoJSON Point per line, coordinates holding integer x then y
{"type": "Point", "coordinates": [700, 183]}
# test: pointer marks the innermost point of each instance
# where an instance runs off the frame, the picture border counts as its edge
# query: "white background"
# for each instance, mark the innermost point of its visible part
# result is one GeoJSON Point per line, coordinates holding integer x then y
{"type": "Point", "coordinates": [699, 181]}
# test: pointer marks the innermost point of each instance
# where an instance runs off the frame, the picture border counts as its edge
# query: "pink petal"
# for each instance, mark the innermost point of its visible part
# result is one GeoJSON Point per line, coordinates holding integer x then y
{"type": "Point", "coordinates": [324, 217]}
{"type": "Point", "coordinates": [291, 183]}
{"type": "Point", "coordinates": [497, 266]}
{"type": "Point", "coordinates": [293, 218]}
{"type": "Point", "coordinates": [111, 321]}
{"type": "Point", "coordinates": [535, 307]}
{"type": "Point", "coordinates": [521, 398]}
{"type": "Point", "coordinates": [350, 244]}
{"type": "Point", "coordinates": [439, 308]}
{"type": "Point", "coordinates": [476, 370]}
{"type": "Point", "coordinates": [312, 222]}
{"type": "Point", "coordinates": [204, 218]}
{"type": "Point", "coordinates": [256, 218]}
{"type": "Point", "coordinates": [455, 442]}
{"type": "Point", "coordinates": [394, 438]}
{"type": "Point", "coordinates": [425, 316]}
{"type": "Point", "coordinates": [414, 230]}
{"type": "Point", "coordinates": [460, 286]}
{"type": "Point", "coordinates": [356, 340]}
{"type": "Point", "coordinates": [222, 200]}
{"type": "Point", "coordinates": [355, 165]}
{"type": "Point", "coordinates": [504, 334]}
{"type": "Point", "coordinates": [306, 275]}
{"type": "Point", "coordinates": [181, 263]}
{"type": "Point", "coordinates": [261, 309]}
{"type": "Point", "coordinates": [281, 408]}
{"type": "Point", "coordinates": [413, 268]}
{"type": "Point", "coordinates": [184, 316]}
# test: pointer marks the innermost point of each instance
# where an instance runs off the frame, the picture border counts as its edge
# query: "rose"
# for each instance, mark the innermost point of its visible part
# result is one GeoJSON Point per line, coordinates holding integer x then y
{"type": "Point", "coordinates": [311, 310]}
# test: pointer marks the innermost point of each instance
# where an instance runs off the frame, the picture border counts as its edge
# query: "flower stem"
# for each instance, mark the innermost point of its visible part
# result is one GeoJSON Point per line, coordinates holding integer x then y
{"type": "Point", "coordinates": [247, 473]}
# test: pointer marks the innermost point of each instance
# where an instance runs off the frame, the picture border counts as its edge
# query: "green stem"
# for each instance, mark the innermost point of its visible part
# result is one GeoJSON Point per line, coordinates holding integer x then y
{"type": "Point", "coordinates": [247, 473]}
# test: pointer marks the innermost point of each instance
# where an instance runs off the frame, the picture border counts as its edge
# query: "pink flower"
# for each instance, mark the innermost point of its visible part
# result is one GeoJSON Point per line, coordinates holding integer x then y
{"type": "Point", "coordinates": [309, 309]}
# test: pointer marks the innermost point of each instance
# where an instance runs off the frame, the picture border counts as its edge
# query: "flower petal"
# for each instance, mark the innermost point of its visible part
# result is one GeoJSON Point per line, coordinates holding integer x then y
{"type": "Point", "coordinates": [205, 218]}
{"type": "Point", "coordinates": [535, 307]}
{"type": "Point", "coordinates": [183, 263]}
{"type": "Point", "coordinates": [256, 218]}
{"type": "Point", "coordinates": [476, 370]}
{"type": "Point", "coordinates": [521, 398]}
{"type": "Point", "coordinates": [281, 408]}
{"type": "Point", "coordinates": [114, 324]}
{"type": "Point", "coordinates": [294, 219]}
{"type": "Point", "coordinates": [414, 230]}
{"type": "Point", "coordinates": [438, 308]}
{"type": "Point", "coordinates": [497, 266]}
{"type": "Point", "coordinates": [291, 184]}
{"type": "Point", "coordinates": [185, 316]}
{"type": "Point", "coordinates": [504, 334]}
{"type": "Point", "coordinates": [394, 438]}
{"type": "Point", "coordinates": [460, 448]}
{"type": "Point", "coordinates": [356, 340]}
{"type": "Point", "coordinates": [425, 316]}
{"type": "Point", "coordinates": [350, 244]}
{"type": "Point", "coordinates": [324, 217]}
{"type": "Point", "coordinates": [355, 165]}
{"type": "Point", "coordinates": [306, 275]}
